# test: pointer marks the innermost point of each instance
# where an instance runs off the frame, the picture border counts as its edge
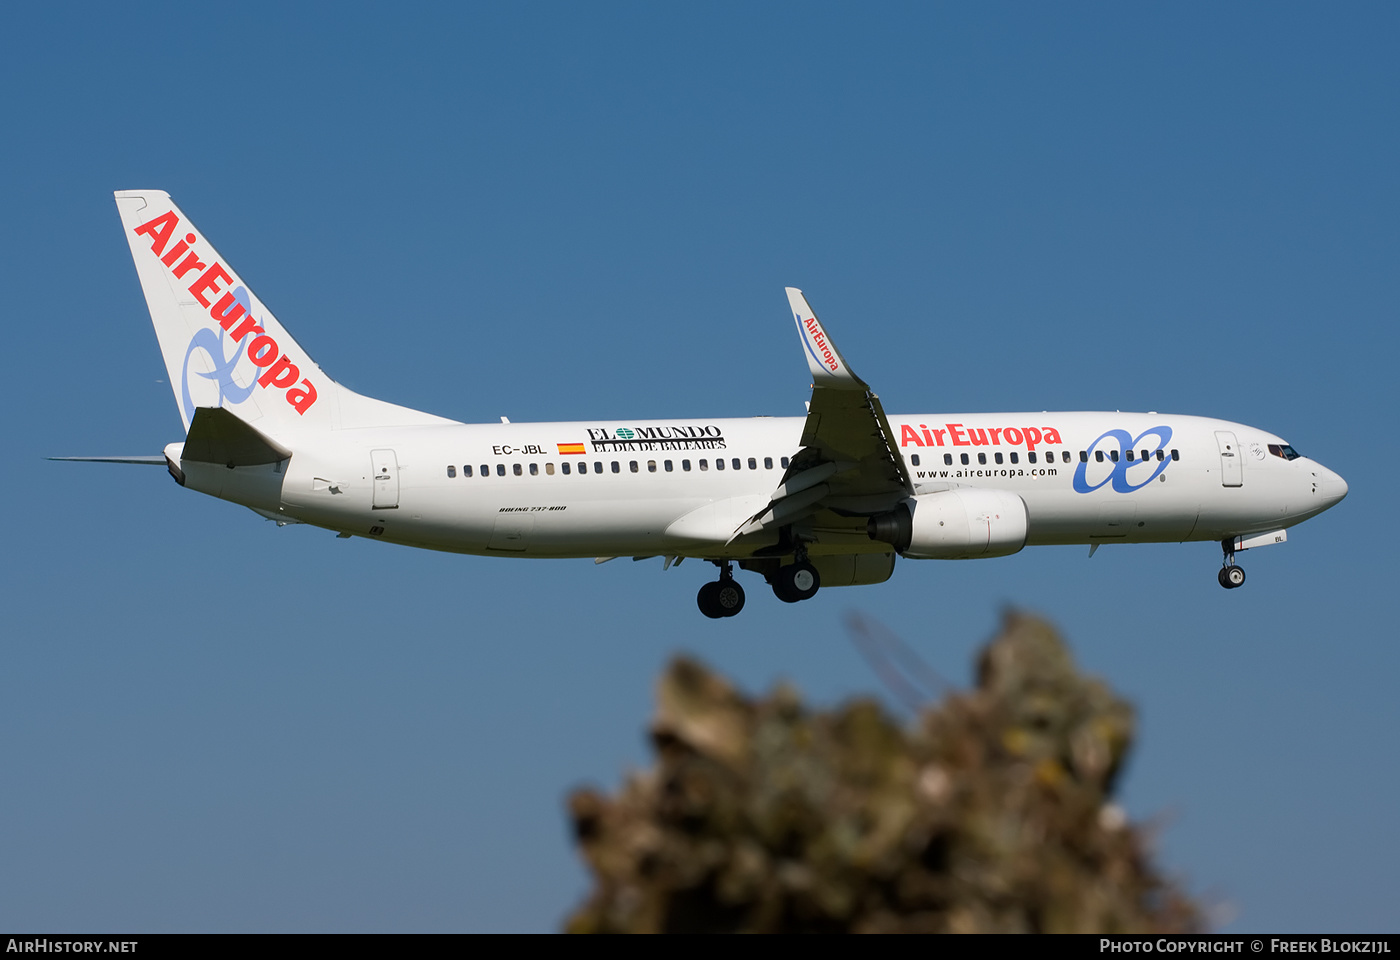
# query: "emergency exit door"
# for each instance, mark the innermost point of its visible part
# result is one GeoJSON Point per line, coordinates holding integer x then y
{"type": "Point", "coordinates": [386, 479]}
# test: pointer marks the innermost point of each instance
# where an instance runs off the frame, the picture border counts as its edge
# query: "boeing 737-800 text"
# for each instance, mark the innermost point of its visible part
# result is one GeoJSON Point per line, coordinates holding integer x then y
{"type": "Point", "coordinates": [826, 500]}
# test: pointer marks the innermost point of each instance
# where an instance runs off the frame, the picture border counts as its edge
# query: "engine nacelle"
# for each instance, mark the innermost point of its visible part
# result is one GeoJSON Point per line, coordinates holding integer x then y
{"type": "Point", "coordinates": [957, 524]}
{"type": "Point", "coordinates": [853, 569]}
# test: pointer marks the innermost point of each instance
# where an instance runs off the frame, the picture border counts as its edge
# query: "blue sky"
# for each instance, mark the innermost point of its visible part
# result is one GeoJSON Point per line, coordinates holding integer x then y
{"type": "Point", "coordinates": [549, 211]}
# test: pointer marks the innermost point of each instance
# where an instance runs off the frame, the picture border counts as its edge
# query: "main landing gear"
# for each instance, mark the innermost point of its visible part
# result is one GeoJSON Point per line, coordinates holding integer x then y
{"type": "Point", "coordinates": [798, 580]}
{"type": "Point", "coordinates": [723, 597]}
{"type": "Point", "coordinates": [791, 583]}
{"type": "Point", "coordinates": [1230, 576]}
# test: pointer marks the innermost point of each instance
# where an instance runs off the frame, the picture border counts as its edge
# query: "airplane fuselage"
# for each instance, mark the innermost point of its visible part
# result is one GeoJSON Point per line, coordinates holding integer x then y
{"type": "Point", "coordinates": [625, 488]}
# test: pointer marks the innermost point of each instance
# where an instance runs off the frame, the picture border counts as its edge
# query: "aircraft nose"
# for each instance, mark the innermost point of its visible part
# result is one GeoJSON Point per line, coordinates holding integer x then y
{"type": "Point", "coordinates": [1334, 488]}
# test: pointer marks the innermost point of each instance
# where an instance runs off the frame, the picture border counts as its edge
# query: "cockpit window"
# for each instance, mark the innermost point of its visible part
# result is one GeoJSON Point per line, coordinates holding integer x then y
{"type": "Point", "coordinates": [1284, 450]}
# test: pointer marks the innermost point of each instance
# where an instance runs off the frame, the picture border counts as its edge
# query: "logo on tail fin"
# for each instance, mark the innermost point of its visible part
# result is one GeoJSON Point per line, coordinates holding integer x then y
{"type": "Point", "coordinates": [222, 373]}
{"type": "Point", "coordinates": [233, 306]}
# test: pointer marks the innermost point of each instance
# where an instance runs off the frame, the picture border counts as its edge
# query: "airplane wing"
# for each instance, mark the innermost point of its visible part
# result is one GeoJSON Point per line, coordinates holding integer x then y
{"type": "Point", "coordinates": [849, 462]}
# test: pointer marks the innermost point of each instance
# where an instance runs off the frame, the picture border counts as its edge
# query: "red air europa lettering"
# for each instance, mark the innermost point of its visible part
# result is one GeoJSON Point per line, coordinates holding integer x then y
{"type": "Point", "coordinates": [212, 281]}
{"type": "Point", "coordinates": [964, 436]}
{"type": "Point", "coordinates": [160, 230]}
{"type": "Point", "coordinates": [820, 341]}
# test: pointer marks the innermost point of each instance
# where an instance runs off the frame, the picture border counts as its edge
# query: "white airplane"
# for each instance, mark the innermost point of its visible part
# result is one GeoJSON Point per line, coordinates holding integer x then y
{"type": "Point", "coordinates": [826, 500]}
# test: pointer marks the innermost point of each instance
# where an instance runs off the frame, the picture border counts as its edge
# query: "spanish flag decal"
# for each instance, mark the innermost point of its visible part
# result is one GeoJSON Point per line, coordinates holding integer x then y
{"type": "Point", "coordinates": [566, 448]}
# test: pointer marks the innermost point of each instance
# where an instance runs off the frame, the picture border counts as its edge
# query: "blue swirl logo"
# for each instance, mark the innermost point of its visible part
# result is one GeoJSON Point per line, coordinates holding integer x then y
{"type": "Point", "coordinates": [215, 347]}
{"type": "Point", "coordinates": [1121, 441]}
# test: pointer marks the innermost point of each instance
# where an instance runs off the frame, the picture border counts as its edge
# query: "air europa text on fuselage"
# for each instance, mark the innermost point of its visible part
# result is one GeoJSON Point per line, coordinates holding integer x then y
{"type": "Point", "coordinates": [960, 436]}
{"type": "Point", "coordinates": [278, 369]}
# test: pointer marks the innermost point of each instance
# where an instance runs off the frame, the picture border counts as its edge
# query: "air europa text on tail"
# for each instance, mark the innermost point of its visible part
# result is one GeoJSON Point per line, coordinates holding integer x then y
{"type": "Point", "coordinates": [278, 369]}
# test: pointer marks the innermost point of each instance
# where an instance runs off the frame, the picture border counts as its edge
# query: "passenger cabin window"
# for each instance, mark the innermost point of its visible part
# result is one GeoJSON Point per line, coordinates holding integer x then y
{"type": "Point", "coordinates": [534, 469]}
{"type": "Point", "coordinates": [964, 459]}
{"type": "Point", "coordinates": [704, 464]}
{"type": "Point", "coordinates": [982, 458]}
{"type": "Point", "coordinates": [1016, 457]}
{"type": "Point", "coordinates": [669, 466]}
{"type": "Point", "coordinates": [565, 467]}
{"type": "Point", "coordinates": [914, 459]}
{"type": "Point", "coordinates": [516, 469]}
{"type": "Point", "coordinates": [1066, 456]}
{"type": "Point", "coordinates": [466, 469]}
{"type": "Point", "coordinates": [685, 465]}
{"type": "Point", "coordinates": [486, 469]}
{"type": "Point", "coordinates": [719, 463]}
{"type": "Point", "coordinates": [451, 470]}
{"type": "Point", "coordinates": [768, 463]}
{"type": "Point", "coordinates": [947, 459]}
{"type": "Point", "coordinates": [753, 463]}
{"type": "Point", "coordinates": [734, 463]}
{"type": "Point", "coordinates": [1130, 455]}
{"type": "Point", "coordinates": [1084, 456]}
{"type": "Point", "coordinates": [651, 466]}
{"type": "Point", "coordinates": [1175, 455]}
{"type": "Point", "coordinates": [784, 462]}
{"type": "Point", "coordinates": [998, 456]}
{"type": "Point", "coordinates": [1113, 455]}
{"type": "Point", "coordinates": [549, 469]}
{"type": "Point", "coordinates": [1030, 457]}
{"type": "Point", "coordinates": [616, 467]}
{"type": "Point", "coordinates": [632, 465]}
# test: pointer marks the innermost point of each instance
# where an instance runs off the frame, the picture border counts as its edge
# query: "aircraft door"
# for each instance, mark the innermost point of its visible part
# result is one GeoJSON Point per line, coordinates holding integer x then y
{"type": "Point", "coordinates": [1231, 461]}
{"type": "Point", "coordinates": [386, 479]}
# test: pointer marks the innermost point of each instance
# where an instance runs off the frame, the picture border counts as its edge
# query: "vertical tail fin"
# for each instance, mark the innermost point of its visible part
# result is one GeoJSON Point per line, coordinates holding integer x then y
{"type": "Point", "coordinates": [222, 346]}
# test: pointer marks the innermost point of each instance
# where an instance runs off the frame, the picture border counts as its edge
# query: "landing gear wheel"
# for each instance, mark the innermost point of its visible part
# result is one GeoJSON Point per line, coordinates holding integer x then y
{"type": "Point", "coordinates": [796, 582]}
{"type": "Point", "coordinates": [729, 597]}
{"type": "Point", "coordinates": [708, 601]}
{"type": "Point", "coordinates": [1231, 577]}
{"type": "Point", "coordinates": [720, 598]}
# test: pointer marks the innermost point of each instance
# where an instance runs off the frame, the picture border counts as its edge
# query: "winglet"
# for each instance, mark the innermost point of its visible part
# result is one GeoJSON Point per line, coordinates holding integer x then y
{"type": "Point", "coordinates": [829, 368]}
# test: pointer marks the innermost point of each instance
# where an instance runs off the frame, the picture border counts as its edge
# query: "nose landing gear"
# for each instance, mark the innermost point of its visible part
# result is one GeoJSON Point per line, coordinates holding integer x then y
{"type": "Point", "coordinates": [723, 597]}
{"type": "Point", "coordinates": [1230, 576]}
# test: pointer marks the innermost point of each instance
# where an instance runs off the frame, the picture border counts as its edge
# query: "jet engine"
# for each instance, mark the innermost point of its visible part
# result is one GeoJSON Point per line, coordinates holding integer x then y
{"type": "Point", "coordinates": [954, 524]}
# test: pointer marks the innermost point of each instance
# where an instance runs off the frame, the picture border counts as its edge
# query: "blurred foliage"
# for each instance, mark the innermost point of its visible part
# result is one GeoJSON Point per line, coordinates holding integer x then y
{"type": "Point", "coordinates": [991, 812]}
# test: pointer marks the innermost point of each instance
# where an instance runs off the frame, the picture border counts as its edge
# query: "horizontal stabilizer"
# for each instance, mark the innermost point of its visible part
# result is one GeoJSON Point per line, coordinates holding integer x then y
{"type": "Point", "coordinates": [218, 436]}
{"type": "Point", "coordinates": [144, 461]}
